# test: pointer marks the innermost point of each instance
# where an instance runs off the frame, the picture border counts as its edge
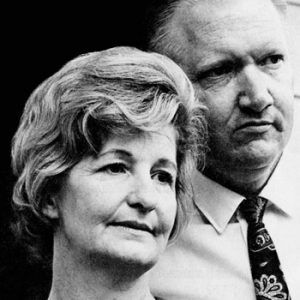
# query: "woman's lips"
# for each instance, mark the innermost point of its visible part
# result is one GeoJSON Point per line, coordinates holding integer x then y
{"type": "Point", "coordinates": [134, 225]}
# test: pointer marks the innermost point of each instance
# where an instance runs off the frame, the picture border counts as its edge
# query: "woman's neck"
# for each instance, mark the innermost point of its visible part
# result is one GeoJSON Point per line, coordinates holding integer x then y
{"type": "Point", "coordinates": [64, 290]}
{"type": "Point", "coordinates": [75, 278]}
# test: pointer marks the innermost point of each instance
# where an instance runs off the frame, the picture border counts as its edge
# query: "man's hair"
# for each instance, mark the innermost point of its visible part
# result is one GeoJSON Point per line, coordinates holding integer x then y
{"type": "Point", "coordinates": [120, 91]}
{"type": "Point", "coordinates": [158, 21]}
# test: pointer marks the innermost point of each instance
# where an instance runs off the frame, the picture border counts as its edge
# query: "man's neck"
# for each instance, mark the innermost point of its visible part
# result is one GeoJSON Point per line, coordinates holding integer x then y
{"type": "Point", "coordinates": [243, 181]}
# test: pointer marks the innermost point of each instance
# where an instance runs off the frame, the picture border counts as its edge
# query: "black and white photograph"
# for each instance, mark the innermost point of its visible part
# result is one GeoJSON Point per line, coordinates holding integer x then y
{"type": "Point", "coordinates": [150, 150]}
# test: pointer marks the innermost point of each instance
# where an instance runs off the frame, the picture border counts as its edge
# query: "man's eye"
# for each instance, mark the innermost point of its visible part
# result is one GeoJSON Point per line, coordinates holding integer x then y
{"type": "Point", "coordinates": [217, 71]}
{"type": "Point", "coordinates": [218, 75]}
{"type": "Point", "coordinates": [220, 71]}
{"type": "Point", "coordinates": [272, 60]}
{"type": "Point", "coordinates": [164, 177]}
{"type": "Point", "coordinates": [115, 168]}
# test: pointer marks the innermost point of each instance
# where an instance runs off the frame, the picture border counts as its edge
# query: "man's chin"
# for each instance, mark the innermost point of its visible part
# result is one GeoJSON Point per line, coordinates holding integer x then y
{"type": "Point", "coordinates": [258, 155]}
{"type": "Point", "coordinates": [246, 158]}
{"type": "Point", "coordinates": [243, 173]}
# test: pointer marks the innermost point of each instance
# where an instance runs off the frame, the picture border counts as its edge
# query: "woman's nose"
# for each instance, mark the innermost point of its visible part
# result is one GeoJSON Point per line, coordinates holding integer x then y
{"type": "Point", "coordinates": [143, 195]}
{"type": "Point", "coordinates": [254, 89]}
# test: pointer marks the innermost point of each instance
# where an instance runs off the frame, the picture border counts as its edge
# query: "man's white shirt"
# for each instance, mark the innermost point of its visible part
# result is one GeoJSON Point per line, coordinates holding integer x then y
{"type": "Point", "coordinates": [210, 260]}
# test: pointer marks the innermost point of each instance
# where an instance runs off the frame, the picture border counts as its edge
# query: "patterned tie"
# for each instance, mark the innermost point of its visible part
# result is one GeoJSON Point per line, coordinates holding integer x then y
{"type": "Point", "coordinates": [267, 275]}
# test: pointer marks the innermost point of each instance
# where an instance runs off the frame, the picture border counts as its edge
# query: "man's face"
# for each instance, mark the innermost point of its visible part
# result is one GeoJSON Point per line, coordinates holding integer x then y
{"type": "Point", "coordinates": [236, 52]}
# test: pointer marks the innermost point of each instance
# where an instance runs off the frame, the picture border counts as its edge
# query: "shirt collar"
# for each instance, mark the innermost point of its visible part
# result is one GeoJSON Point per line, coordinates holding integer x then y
{"type": "Point", "coordinates": [281, 188]}
{"type": "Point", "coordinates": [218, 204]}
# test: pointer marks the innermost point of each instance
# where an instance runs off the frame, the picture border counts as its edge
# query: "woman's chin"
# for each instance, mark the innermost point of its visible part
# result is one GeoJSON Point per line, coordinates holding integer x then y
{"type": "Point", "coordinates": [143, 260]}
{"type": "Point", "coordinates": [142, 252]}
{"type": "Point", "coordinates": [129, 256]}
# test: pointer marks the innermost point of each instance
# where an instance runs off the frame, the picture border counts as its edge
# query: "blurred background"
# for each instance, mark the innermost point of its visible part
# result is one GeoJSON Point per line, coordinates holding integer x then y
{"type": "Point", "coordinates": [36, 41]}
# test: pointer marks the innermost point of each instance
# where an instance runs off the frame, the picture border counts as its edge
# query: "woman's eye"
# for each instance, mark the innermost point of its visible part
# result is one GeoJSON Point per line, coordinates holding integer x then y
{"type": "Point", "coordinates": [164, 177]}
{"type": "Point", "coordinates": [115, 168]}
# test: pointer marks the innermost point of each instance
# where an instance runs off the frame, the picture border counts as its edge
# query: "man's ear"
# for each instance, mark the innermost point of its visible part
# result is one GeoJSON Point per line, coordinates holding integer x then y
{"type": "Point", "coordinates": [50, 208]}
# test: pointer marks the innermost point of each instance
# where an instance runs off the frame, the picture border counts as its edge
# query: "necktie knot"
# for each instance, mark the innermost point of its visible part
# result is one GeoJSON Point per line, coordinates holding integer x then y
{"type": "Point", "coordinates": [253, 208]}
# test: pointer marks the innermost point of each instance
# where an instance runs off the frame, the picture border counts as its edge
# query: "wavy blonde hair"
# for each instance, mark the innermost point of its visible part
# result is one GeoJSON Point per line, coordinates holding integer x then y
{"type": "Point", "coordinates": [118, 91]}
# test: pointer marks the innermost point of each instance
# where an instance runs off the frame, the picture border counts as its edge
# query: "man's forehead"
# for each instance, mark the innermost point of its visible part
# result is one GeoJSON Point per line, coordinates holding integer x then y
{"type": "Point", "coordinates": [196, 20]}
{"type": "Point", "coordinates": [209, 15]}
{"type": "Point", "coordinates": [207, 29]}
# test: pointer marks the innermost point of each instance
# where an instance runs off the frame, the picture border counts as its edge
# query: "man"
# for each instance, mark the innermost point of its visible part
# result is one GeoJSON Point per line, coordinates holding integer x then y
{"type": "Point", "coordinates": [236, 54]}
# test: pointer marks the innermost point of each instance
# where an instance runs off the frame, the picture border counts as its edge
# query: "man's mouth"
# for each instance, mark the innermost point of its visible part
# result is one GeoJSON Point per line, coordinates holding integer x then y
{"type": "Point", "coordinates": [255, 123]}
{"type": "Point", "coordinates": [255, 126]}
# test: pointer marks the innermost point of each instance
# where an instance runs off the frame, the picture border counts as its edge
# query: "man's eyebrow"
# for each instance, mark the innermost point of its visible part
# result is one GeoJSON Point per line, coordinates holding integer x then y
{"type": "Point", "coordinates": [222, 64]}
{"type": "Point", "coordinates": [216, 63]}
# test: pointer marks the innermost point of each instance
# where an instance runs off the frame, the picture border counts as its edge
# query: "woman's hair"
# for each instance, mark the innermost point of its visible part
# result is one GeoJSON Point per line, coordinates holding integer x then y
{"type": "Point", "coordinates": [119, 91]}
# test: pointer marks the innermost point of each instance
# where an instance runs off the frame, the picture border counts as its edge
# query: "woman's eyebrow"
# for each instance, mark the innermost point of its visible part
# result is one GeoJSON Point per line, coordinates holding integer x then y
{"type": "Point", "coordinates": [167, 163]}
{"type": "Point", "coordinates": [118, 153]}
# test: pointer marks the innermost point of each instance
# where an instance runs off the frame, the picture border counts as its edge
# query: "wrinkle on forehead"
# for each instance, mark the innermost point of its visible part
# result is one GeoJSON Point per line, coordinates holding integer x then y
{"type": "Point", "coordinates": [205, 18]}
{"type": "Point", "coordinates": [197, 20]}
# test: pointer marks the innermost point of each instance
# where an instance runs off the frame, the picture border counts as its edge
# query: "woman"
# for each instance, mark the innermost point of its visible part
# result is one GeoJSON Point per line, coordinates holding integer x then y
{"type": "Point", "coordinates": [101, 155]}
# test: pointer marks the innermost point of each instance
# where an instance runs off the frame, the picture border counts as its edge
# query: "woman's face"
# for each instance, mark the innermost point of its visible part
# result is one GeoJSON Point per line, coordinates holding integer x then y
{"type": "Point", "coordinates": [121, 205]}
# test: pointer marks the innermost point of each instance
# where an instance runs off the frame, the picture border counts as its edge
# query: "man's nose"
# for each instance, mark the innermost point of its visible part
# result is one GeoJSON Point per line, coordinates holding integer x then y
{"type": "Point", "coordinates": [143, 194]}
{"type": "Point", "coordinates": [254, 89]}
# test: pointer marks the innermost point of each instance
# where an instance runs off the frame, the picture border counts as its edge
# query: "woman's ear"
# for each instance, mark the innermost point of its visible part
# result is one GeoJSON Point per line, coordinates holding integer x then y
{"type": "Point", "coordinates": [50, 208]}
